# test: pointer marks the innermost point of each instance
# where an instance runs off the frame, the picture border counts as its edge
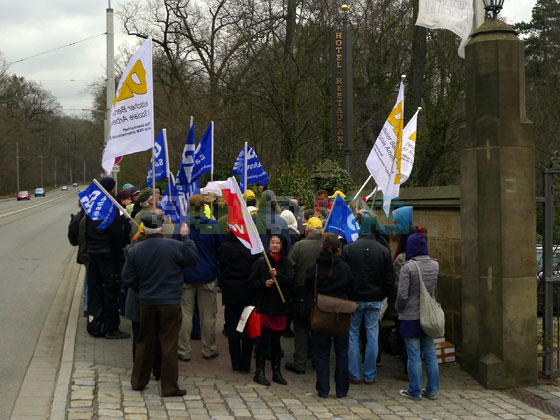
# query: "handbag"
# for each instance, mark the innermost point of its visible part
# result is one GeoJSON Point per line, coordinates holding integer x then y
{"type": "Point", "coordinates": [432, 318]}
{"type": "Point", "coordinates": [253, 327]}
{"type": "Point", "coordinates": [331, 315]}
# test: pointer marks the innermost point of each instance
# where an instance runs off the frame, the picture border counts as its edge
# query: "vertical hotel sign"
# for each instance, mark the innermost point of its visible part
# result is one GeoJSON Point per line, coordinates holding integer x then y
{"type": "Point", "coordinates": [341, 59]}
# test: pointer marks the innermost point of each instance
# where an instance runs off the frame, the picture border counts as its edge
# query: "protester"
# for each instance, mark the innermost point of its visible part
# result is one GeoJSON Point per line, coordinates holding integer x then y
{"type": "Point", "coordinates": [235, 261]}
{"type": "Point", "coordinates": [134, 193]}
{"type": "Point", "coordinates": [408, 307]}
{"type": "Point", "coordinates": [373, 274]}
{"type": "Point", "coordinates": [268, 303]}
{"type": "Point", "coordinates": [145, 203]}
{"type": "Point", "coordinates": [334, 278]}
{"type": "Point", "coordinates": [105, 252]}
{"type": "Point", "coordinates": [268, 219]}
{"type": "Point", "coordinates": [322, 199]}
{"type": "Point", "coordinates": [290, 219]}
{"type": "Point", "coordinates": [77, 237]}
{"type": "Point", "coordinates": [302, 255]}
{"type": "Point", "coordinates": [154, 268]}
{"type": "Point", "coordinates": [200, 282]}
{"type": "Point", "coordinates": [124, 198]}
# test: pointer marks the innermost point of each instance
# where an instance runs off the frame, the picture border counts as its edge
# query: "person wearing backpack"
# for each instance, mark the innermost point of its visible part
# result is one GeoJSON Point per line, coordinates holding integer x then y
{"type": "Point", "coordinates": [408, 307]}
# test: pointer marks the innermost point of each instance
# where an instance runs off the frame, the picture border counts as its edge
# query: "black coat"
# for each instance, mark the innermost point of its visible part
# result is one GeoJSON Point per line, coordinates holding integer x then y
{"type": "Point", "coordinates": [111, 240]}
{"type": "Point", "coordinates": [339, 286]}
{"type": "Point", "coordinates": [372, 269]}
{"type": "Point", "coordinates": [267, 299]}
{"type": "Point", "coordinates": [235, 262]}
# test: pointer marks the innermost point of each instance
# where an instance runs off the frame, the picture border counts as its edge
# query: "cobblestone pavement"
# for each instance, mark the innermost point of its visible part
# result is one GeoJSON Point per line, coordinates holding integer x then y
{"type": "Point", "coordinates": [100, 389]}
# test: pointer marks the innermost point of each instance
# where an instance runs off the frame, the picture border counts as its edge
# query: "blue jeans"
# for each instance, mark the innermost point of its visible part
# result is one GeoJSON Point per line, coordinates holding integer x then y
{"type": "Point", "coordinates": [322, 347]}
{"type": "Point", "coordinates": [413, 347]}
{"type": "Point", "coordinates": [369, 312]}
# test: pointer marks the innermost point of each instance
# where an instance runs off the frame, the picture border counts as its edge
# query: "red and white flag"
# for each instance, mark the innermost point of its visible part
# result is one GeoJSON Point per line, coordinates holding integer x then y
{"type": "Point", "coordinates": [240, 221]}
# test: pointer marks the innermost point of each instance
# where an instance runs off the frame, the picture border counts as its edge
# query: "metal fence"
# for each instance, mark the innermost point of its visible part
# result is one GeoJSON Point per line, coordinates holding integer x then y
{"type": "Point", "coordinates": [548, 289]}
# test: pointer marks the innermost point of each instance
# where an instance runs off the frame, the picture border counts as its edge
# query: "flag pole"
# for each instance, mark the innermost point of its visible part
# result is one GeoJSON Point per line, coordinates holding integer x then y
{"type": "Point", "coordinates": [245, 173]}
{"type": "Point", "coordinates": [167, 162]}
{"type": "Point", "coordinates": [154, 176]}
{"type": "Point", "coordinates": [275, 281]}
{"type": "Point", "coordinates": [115, 202]}
{"type": "Point", "coordinates": [212, 154]}
{"type": "Point", "coordinates": [363, 186]}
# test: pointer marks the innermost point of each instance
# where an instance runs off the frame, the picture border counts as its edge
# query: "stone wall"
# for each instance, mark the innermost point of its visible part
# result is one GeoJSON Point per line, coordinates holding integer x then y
{"type": "Point", "coordinates": [438, 210]}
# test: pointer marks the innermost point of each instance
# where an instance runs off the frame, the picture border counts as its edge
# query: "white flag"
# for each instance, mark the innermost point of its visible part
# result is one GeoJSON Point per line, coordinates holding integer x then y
{"type": "Point", "coordinates": [132, 113]}
{"type": "Point", "coordinates": [384, 160]}
{"type": "Point", "coordinates": [456, 16]}
{"type": "Point", "coordinates": [407, 161]}
{"type": "Point", "coordinates": [408, 147]}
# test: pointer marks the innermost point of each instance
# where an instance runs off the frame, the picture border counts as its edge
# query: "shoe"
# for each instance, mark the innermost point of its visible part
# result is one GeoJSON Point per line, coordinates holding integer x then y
{"type": "Point", "coordinates": [405, 393]}
{"type": "Point", "coordinates": [85, 314]}
{"type": "Point", "coordinates": [288, 333]}
{"type": "Point", "coordinates": [430, 397]}
{"type": "Point", "coordinates": [401, 375]}
{"type": "Point", "coordinates": [116, 335]}
{"type": "Point", "coordinates": [355, 381]}
{"type": "Point", "coordinates": [195, 337]}
{"type": "Point", "coordinates": [176, 393]}
{"type": "Point", "coordinates": [293, 368]}
{"type": "Point", "coordinates": [323, 396]}
{"type": "Point", "coordinates": [341, 395]}
{"type": "Point", "coordinates": [212, 356]}
{"type": "Point", "coordinates": [277, 376]}
{"type": "Point", "coordinates": [369, 382]}
{"type": "Point", "coordinates": [260, 378]}
{"type": "Point", "coordinates": [184, 359]}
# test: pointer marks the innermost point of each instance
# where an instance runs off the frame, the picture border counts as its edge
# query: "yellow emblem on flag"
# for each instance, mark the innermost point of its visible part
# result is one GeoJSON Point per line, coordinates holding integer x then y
{"type": "Point", "coordinates": [397, 123]}
{"type": "Point", "coordinates": [132, 86]}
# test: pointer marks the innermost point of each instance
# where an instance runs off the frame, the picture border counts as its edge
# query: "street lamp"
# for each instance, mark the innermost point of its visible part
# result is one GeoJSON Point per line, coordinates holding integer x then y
{"type": "Point", "coordinates": [493, 6]}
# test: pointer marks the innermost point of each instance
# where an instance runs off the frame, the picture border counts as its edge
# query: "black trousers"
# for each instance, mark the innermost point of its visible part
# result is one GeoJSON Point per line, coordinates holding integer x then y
{"type": "Point", "coordinates": [240, 346]}
{"type": "Point", "coordinates": [269, 339]}
{"type": "Point", "coordinates": [163, 322]}
{"type": "Point", "coordinates": [322, 348]}
{"type": "Point", "coordinates": [104, 276]}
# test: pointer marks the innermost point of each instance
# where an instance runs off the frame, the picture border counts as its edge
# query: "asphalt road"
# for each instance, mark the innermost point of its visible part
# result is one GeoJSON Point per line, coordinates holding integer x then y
{"type": "Point", "coordinates": [34, 254]}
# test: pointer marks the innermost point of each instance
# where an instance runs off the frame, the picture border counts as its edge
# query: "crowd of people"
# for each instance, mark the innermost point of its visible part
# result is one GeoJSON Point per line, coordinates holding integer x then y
{"type": "Point", "coordinates": [166, 278]}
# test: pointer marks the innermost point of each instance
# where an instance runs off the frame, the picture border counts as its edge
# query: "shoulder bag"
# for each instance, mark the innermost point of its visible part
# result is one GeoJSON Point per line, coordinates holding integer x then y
{"type": "Point", "coordinates": [331, 315]}
{"type": "Point", "coordinates": [432, 318]}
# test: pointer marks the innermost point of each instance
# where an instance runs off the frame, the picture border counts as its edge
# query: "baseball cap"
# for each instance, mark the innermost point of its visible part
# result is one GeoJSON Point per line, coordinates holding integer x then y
{"type": "Point", "coordinates": [314, 224]}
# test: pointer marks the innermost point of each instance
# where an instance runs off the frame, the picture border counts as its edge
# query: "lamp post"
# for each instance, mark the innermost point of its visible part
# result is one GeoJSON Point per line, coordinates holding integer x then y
{"type": "Point", "coordinates": [493, 6]}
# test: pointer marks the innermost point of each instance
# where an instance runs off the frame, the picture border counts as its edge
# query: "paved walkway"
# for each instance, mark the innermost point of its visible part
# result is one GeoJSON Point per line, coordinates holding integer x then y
{"type": "Point", "coordinates": [100, 389]}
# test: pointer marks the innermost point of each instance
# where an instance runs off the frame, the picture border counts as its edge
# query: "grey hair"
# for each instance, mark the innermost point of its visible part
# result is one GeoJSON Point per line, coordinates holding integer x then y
{"type": "Point", "coordinates": [150, 231]}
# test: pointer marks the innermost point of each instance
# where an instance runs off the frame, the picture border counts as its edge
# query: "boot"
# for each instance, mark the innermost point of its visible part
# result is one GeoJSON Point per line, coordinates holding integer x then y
{"type": "Point", "coordinates": [277, 376]}
{"type": "Point", "coordinates": [259, 377]}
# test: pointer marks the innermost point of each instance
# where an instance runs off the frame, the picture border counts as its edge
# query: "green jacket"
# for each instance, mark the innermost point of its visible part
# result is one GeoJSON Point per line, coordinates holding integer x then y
{"type": "Point", "coordinates": [303, 255]}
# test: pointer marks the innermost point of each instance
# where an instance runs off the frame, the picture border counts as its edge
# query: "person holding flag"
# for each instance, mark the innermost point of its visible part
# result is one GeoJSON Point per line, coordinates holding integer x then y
{"type": "Point", "coordinates": [107, 234]}
{"type": "Point", "coordinates": [341, 221]}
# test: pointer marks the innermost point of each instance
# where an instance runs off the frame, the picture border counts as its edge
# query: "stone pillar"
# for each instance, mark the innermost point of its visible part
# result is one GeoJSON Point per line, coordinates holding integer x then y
{"type": "Point", "coordinates": [498, 214]}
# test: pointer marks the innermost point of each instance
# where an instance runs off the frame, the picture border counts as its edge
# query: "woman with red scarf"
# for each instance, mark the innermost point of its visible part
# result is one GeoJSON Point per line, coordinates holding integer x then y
{"type": "Point", "coordinates": [268, 303]}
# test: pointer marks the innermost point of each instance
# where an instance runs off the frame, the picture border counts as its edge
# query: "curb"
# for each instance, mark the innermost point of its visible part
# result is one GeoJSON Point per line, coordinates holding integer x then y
{"type": "Point", "coordinates": [58, 410]}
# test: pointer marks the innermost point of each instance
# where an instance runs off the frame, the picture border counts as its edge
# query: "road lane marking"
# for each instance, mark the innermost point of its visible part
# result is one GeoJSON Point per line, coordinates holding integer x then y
{"type": "Point", "coordinates": [31, 207]}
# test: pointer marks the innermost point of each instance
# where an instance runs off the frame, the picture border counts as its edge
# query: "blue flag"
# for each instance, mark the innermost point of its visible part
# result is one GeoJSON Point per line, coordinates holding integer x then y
{"type": "Point", "coordinates": [342, 221]}
{"type": "Point", "coordinates": [98, 206]}
{"type": "Point", "coordinates": [255, 171]}
{"type": "Point", "coordinates": [185, 184]}
{"type": "Point", "coordinates": [160, 161]}
{"type": "Point", "coordinates": [203, 154]}
{"type": "Point", "coordinates": [173, 203]}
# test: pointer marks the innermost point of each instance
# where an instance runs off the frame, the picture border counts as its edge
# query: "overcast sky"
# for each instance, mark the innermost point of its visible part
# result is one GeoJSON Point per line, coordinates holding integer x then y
{"type": "Point", "coordinates": [29, 27]}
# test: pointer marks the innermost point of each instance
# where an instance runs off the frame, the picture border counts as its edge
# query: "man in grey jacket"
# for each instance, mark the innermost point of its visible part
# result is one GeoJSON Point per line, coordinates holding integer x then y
{"type": "Point", "coordinates": [303, 254]}
{"type": "Point", "coordinates": [154, 267]}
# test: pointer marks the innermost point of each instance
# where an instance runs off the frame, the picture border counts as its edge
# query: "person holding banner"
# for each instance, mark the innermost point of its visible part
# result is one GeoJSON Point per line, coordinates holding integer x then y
{"type": "Point", "coordinates": [105, 250]}
{"type": "Point", "coordinates": [269, 304]}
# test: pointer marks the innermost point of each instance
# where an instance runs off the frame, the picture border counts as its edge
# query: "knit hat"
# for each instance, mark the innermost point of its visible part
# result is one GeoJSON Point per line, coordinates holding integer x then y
{"type": "Point", "coordinates": [152, 221]}
{"type": "Point", "coordinates": [108, 183]}
{"type": "Point", "coordinates": [127, 186]}
{"type": "Point", "coordinates": [416, 245]}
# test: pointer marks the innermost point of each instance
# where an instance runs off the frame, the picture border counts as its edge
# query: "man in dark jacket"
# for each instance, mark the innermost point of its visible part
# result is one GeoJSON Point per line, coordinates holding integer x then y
{"type": "Point", "coordinates": [373, 274]}
{"type": "Point", "coordinates": [154, 268]}
{"type": "Point", "coordinates": [105, 252]}
{"type": "Point", "coordinates": [303, 255]}
{"type": "Point", "coordinates": [201, 282]}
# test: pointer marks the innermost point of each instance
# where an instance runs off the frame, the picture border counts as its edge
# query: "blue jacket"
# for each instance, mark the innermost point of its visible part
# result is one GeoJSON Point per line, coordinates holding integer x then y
{"type": "Point", "coordinates": [208, 237]}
